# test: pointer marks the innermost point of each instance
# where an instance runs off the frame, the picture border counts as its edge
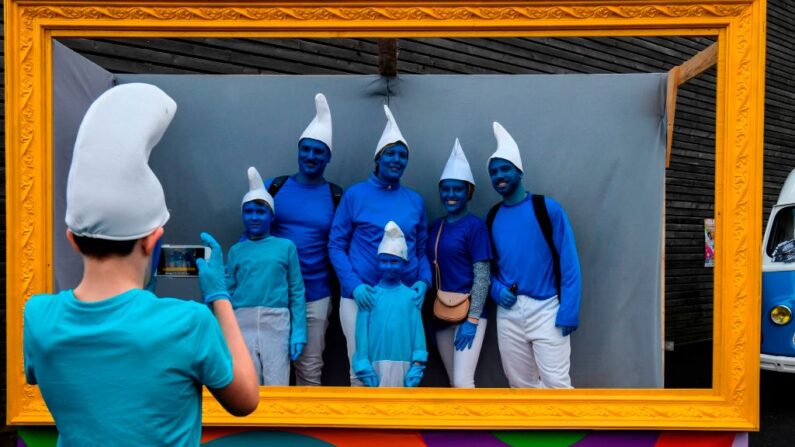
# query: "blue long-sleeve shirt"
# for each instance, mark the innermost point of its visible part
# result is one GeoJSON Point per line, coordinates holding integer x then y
{"type": "Point", "coordinates": [392, 331]}
{"type": "Point", "coordinates": [303, 215]}
{"type": "Point", "coordinates": [266, 273]}
{"type": "Point", "coordinates": [524, 259]}
{"type": "Point", "coordinates": [358, 228]}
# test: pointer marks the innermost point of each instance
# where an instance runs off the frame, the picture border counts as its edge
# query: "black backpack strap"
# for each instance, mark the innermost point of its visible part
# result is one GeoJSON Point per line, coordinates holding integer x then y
{"type": "Point", "coordinates": [277, 184]}
{"type": "Point", "coordinates": [336, 194]}
{"type": "Point", "coordinates": [542, 216]}
{"type": "Point", "coordinates": [489, 223]}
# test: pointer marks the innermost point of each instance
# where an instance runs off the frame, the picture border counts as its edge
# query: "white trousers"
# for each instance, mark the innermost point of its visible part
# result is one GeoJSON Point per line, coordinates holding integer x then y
{"type": "Point", "coordinates": [534, 352]}
{"type": "Point", "coordinates": [460, 365]}
{"type": "Point", "coordinates": [391, 374]}
{"type": "Point", "coordinates": [348, 312]}
{"type": "Point", "coordinates": [309, 366]}
{"type": "Point", "coordinates": [266, 331]}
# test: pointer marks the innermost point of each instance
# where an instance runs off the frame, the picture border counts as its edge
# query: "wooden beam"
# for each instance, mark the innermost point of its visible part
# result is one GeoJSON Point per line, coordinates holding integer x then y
{"type": "Point", "coordinates": [677, 76]}
{"type": "Point", "coordinates": [698, 64]}
{"type": "Point", "coordinates": [387, 57]}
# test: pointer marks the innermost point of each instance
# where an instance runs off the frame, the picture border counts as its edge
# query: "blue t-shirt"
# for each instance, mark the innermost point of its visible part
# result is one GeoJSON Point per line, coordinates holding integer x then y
{"type": "Point", "coordinates": [127, 370]}
{"type": "Point", "coordinates": [462, 243]}
{"type": "Point", "coordinates": [303, 215]}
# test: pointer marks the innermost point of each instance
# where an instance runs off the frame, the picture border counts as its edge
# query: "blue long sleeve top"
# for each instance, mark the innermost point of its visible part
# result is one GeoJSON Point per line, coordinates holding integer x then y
{"type": "Point", "coordinates": [358, 228]}
{"type": "Point", "coordinates": [392, 331]}
{"type": "Point", "coordinates": [524, 259]}
{"type": "Point", "coordinates": [304, 215]}
{"type": "Point", "coordinates": [266, 273]}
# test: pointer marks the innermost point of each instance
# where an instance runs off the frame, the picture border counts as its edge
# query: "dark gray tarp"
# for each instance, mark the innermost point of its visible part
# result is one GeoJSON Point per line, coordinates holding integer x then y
{"type": "Point", "coordinates": [76, 83]}
{"type": "Point", "coordinates": [595, 143]}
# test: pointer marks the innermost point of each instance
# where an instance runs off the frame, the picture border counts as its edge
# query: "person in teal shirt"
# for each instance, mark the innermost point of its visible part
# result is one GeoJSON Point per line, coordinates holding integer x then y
{"type": "Point", "coordinates": [115, 364]}
{"type": "Point", "coordinates": [264, 278]}
{"type": "Point", "coordinates": [390, 340]}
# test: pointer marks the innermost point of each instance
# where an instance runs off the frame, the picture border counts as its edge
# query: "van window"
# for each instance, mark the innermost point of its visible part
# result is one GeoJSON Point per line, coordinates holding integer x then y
{"type": "Point", "coordinates": [783, 229]}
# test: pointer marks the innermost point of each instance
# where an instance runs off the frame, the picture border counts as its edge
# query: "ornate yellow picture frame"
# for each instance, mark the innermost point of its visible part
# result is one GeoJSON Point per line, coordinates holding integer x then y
{"type": "Point", "coordinates": [739, 27]}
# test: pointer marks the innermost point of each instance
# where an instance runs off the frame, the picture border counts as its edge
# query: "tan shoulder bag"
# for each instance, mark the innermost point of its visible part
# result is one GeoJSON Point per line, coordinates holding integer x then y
{"type": "Point", "coordinates": [451, 307]}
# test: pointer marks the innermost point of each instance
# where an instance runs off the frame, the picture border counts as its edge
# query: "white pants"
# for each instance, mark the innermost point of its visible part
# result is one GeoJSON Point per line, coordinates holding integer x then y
{"type": "Point", "coordinates": [391, 373]}
{"type": "Point", "coordinates": [266, 331]}
{"type": "Point", "coordinates": [534, 352]}
{"type": "Point", "coordinates": [460, 365]}
{"type": "Point", "coordinates": [309, 366]}
{"type": "Point", "coordinates": [348, 312]}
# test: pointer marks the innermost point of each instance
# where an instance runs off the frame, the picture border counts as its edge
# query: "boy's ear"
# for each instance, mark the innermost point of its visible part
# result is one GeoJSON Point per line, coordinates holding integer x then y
{"type": "Point", "coordinates": [148, 242]}
{"type": "Point", "coordinates": [71, 237]}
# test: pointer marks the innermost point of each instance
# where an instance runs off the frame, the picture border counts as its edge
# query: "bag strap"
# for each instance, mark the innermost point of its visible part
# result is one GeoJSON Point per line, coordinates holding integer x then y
{"type": "Point", "coordinates": [542, 216]}
{"type": "Point", "coordinates": [336, 194]}
{"type": "Point", "coordinates": [489, 223]}
{"type": "Point", "coordinates": [277, 184]}
{"type": "Point", "coordinates": [436, 257]}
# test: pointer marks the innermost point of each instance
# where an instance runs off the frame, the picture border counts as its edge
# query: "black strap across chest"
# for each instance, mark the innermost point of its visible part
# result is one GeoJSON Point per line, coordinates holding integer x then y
{"type": "Point", "coordinates": [544, 222]}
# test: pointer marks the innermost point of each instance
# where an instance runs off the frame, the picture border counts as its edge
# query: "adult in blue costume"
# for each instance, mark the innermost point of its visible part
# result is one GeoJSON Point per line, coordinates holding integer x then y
{"type": "Point", "coordinates": [534, 318]}
{"type": "Point", "coordinates": [390, 339]}
{"type": "Point", "coordinates": [306, 203]}
{"type": "Point", "coordinates": [115, 363]}
{"type": "Point", "coordinates": [460, 250]}
{"type": "Point", "coordinates": [264, 279]}
{"type": "Point", "coordinates": [358, 228]}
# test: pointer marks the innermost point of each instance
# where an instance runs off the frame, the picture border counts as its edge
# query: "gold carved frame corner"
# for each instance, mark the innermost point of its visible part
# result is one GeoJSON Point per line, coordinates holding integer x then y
{"type": "Point", "coordinates": [732, 402]}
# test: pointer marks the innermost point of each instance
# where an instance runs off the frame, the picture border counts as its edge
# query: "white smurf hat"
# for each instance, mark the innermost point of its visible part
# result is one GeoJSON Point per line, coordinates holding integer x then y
{"type": "Point", "coordinates": [506, 147]}
{"type": "Point", "coordinates": [111, 192]}
{"type": "Point", "coordinates": [256, 189]}
{"type": "Point", "coordinates": [320, 127]}
{"type": "Point", "coordinates": [457, 167]}
{"type": "Point", "coordinates": [391, 133]}
{"type": "Point", "coordinates": [393, 242]}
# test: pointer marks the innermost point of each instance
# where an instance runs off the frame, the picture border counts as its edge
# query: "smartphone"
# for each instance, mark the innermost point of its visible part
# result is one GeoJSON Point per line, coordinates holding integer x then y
{"type": "Point", "coordinates": [179, 261]}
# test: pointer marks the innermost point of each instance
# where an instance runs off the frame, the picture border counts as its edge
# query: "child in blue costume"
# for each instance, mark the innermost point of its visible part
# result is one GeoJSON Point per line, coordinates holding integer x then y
{"type": "Point", "coordinates": [264, 278]}
{"type": "Point", "coordinates": [390, 340]}
{"type": "Point", "coordinates": [117, 365]}
{"type": "Point", "coordinates": [358, 227]}
{"type": "Point", "coordinates": [462, 243]}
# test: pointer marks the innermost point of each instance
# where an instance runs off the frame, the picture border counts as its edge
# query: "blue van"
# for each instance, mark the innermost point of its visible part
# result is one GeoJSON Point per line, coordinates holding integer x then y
{"type": "Point", "coordinates": [778, 283]}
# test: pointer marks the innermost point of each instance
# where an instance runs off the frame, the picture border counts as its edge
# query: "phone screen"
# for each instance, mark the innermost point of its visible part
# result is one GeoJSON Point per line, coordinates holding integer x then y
{"type": "Point", "coordinates": [180, 260]}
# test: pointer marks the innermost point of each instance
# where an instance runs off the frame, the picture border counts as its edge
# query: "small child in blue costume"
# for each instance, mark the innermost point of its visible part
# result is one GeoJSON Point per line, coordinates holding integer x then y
{"type": "Point", "coordinates": [264, 279]}
{"type": "Point", "coordinates": [390, 340]}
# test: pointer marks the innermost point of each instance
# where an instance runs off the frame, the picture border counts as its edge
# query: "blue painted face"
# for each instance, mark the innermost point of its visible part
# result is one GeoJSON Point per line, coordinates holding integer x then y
{"type": "Point", "coordinates": [505, 177]}
{"type": "Point", "coordinates": [454, 195]}
{"type": "Point", "coordinates": [257, 218]}
{"type": "Point", "coordinates": [313, 156]}
{"type": "Point", "coordinates": [392, 162]}
{"type": "Point", "coordinates": [391, 267]}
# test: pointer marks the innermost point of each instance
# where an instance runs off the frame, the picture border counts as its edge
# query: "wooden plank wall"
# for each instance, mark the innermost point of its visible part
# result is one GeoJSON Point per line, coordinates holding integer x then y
{"type": "Point", "coordinates": [689, 181]}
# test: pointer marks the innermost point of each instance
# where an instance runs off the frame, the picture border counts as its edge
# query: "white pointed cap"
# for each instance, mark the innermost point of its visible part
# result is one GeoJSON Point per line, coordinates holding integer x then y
{"type": "Point", "coordinates": [457, 167]}
{"type": "Point", "coordinates": [256, 189]}
{"type": "Point", "coordinates": [506, 147]}
{"type": "Point", "coordinates": [391, 133]}
{"type": "Point", "coordinates": [111, 192]}
{"type": "Point", "coordinates": [320, 127]}
{"type": "Point", "coordinates": [394, 242]}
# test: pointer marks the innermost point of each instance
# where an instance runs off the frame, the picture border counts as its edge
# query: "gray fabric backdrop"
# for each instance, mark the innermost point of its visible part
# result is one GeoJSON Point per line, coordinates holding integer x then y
{"type": "Point", "coordinates": [595, 143]}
